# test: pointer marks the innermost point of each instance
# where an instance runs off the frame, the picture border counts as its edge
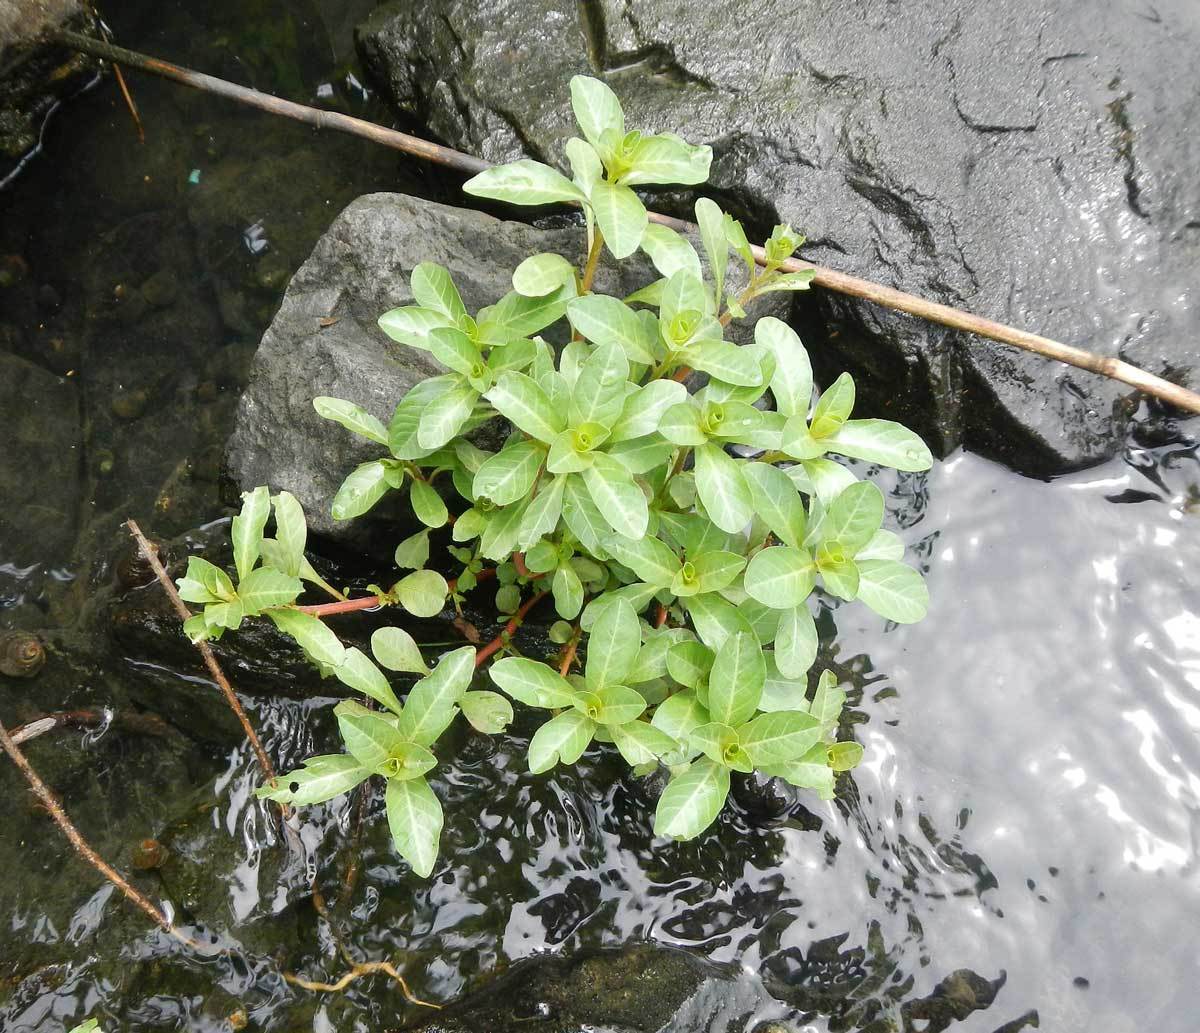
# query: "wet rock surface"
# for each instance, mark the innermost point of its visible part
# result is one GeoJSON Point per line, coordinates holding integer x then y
{"type": "Point", "coordinates": [36, 75]}
{"type": "Point", "coordinates": [637, 990]}
{"type": "Point", "coordinates": [43, 431]}
{"type": "Point", "coordinates": [325, 341]}
{"type": "Point", "coordinates": [1028, 161]}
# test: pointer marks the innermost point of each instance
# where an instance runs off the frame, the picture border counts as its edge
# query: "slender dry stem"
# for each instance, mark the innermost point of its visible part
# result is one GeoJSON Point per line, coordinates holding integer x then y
{"type": "Point", "coordinates": [82, 847]}
{"type": "Point", "coordinates": [357, 969]}
{"type": "Point", "coordinates": [210, 661]}
{"type": "Point", "coordinates": [129, 103]}
{"type": "Point", "coordinates": [830, 279]}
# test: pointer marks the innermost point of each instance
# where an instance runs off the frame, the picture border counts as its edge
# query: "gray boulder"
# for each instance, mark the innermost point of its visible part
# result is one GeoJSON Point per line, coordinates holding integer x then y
{"type": "Point", "coordinates": [325, 341]}
{"type": "Point", "coordinates": [1029, 161]}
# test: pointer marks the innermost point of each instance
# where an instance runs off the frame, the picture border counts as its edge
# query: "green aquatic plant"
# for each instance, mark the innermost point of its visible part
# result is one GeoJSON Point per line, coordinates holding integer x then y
{"type": "Point", "coordinates": [678, 522]}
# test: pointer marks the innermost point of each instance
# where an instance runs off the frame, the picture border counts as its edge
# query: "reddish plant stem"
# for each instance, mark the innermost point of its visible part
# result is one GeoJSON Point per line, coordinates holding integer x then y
{"type": "Point", "coordinates": [210, 661]}
{"type": "Point", "coordinates": [369, 602]}
{"type": "Point", "coordinates": [518, 561]}
{"type": "Point", "coordinates": [569, 654]}
{"type": "Point", "coordinates": [510, 628]}
{"type": "Point", "coordinates": [661, 618]}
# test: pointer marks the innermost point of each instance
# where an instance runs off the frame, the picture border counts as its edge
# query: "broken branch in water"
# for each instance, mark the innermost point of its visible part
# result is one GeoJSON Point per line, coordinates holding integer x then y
{"type": "Point", "coordinates": [210, 661]}
{"type": "Point", "coordinates": [360, 969]}
{"type": "Point", "coordinates": [133, 108]}
{"type": "Point", "coordinates": [146, 724]}
{"type": "Point", "coordinates": [356, 969]}
{"type": "Point", "coordinates": [830, 279]}
{"type": "Point", "coordinates": [81, 845]}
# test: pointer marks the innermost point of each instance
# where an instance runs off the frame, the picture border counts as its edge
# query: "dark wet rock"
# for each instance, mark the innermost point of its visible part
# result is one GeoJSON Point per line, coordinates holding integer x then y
{"type": "Point", "coordinates": [952, 1000]}
{"type": "Point", "coordinates": [637, 990]}
{"type": "Point", "coordinates": [1027, 161]}
{"type": "Point", "coordinates": [763, 797]}
{"type": "Point", "coordinates": [117, 784]}
{"type": "Point", "coordinates": [257, 659]}
{"type": "Point", "coordinates": [129, 404]}
{"type": "Point", "coordinates": [251, 235]}
{"type": "Point", "coordinates": [325, 341]}
{"type": "Point", "coordinates": [39, 465]}
{"type": "Point", "coordinates": [48, 297]}
{"type": "Point", "coordinates": [161, 289]}
{"type": "Point", "coordinates": [247, 890]}
{"type": "Point", "coordinates": [35, 75]}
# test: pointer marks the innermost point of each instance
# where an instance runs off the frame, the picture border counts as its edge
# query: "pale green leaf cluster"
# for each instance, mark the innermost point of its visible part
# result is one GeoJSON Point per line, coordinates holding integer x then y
{"type": "Point", "coordinates": [679, 532]}
{"type": "Point", "coordinates": [395, 742]}
{"type": "Point", "coordinates": [606, 164]}
{"type": "Point", "coordinates": [270, 571]}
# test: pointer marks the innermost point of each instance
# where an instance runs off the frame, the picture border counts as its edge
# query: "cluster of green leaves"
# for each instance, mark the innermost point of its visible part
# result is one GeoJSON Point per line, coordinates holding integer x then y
{"type": "Point", "coordinates": [681, 531]}
{"type": "Point", "coordinates": [394, 742]}
{"type": "Point", "coordinates": [271, 573]}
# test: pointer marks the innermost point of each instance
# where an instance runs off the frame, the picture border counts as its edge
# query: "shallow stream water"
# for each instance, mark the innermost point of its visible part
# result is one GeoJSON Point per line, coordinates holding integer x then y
{"type": "Point", "coordinates": [1019, 847]}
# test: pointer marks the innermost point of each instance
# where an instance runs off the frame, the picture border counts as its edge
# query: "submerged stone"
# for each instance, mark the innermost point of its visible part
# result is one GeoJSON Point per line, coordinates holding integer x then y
{"type": "Point", "coordinates": [1026, 162]}
{"type": "Point", "coordinates": [640, 989]}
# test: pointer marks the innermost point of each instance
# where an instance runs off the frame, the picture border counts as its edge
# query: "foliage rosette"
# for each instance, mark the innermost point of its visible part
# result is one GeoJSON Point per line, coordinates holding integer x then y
{"type": "Point", "coordinates": [679, 535]}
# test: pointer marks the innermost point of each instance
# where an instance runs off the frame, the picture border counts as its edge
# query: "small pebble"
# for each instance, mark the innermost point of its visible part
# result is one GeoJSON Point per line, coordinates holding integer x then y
{"type": "Point", "coordinates": [13, 269]}
{"type": "Point", "coordinates": [161, 289]}
{"type": "Point", "coordinates": [130, 403]}
{"type": "Point", "coordinates": [148, 855]}
{"type": "Point", "coordinates": [48, 297]}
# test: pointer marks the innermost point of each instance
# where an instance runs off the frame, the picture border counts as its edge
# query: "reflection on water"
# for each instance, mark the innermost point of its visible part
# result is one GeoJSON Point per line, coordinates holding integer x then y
{"type": "Point", "coordinates": [1018, 843]}
{"type": "Point", "coordinates": [1018, 846]}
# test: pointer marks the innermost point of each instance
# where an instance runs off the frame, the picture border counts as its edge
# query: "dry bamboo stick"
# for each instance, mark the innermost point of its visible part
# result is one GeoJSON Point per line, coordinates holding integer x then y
{"type": "Point", "coordinates": [830, 279]}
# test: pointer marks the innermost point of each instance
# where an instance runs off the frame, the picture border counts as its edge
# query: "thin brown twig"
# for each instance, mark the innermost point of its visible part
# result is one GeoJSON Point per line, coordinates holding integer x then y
{"type": "Point", "coordinates": [350, 879]}
{"type": "Point", "coordinates": [147, 724]}
{"type": "Point", "coordinates": [210, 661]}
{"type": "Point", "coordinates": [84, 849]}
{"type": "Point", "coordinates": [133, 108]}
{"type": "Point", "coordinates": [830, 279]}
